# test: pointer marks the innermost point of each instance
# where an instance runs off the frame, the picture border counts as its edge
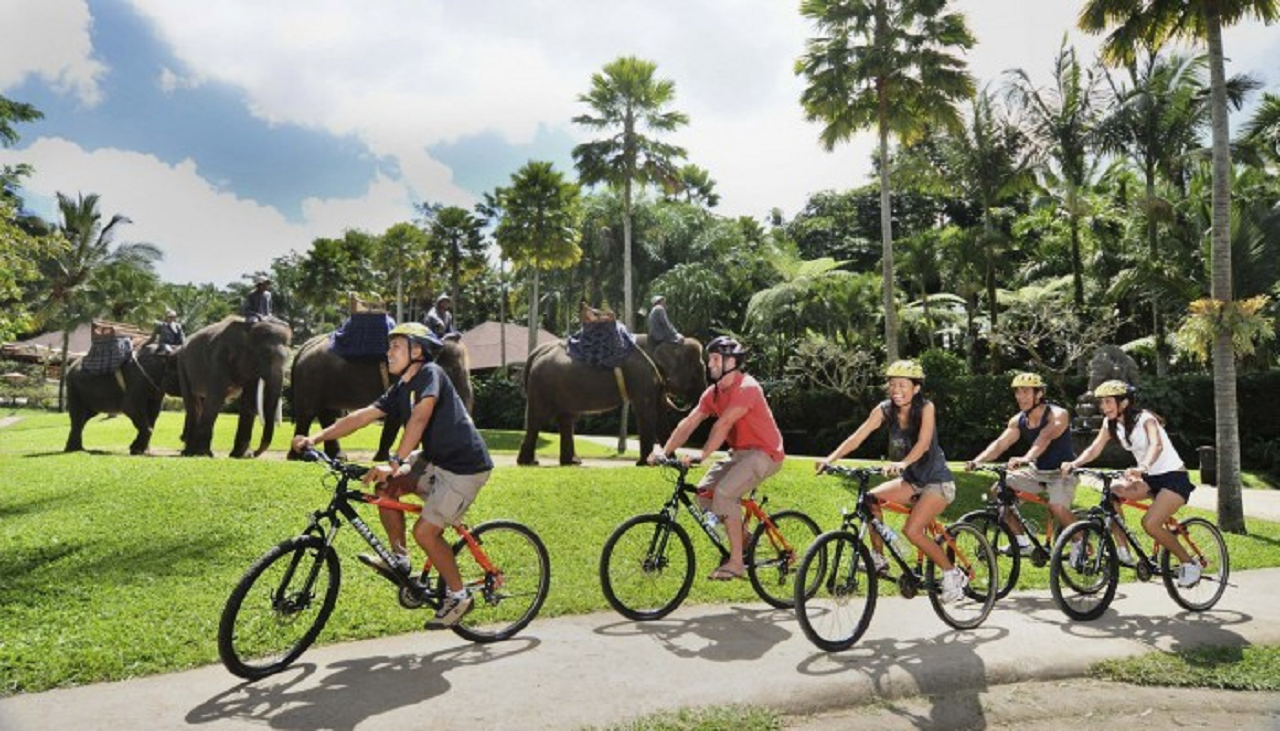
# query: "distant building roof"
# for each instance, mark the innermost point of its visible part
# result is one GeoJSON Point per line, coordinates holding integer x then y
{"type": "Point", "coordinates": [49, 345]}
{"type": "Point", "coordinates": [484, 344]}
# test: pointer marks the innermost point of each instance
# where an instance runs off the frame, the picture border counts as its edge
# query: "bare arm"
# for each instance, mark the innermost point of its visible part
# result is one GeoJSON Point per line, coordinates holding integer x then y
{"type": "Point", "coordinates": [873, 421]}
{"type": "Point", "coordinates": [1007, 439]}
{"type": "Point", "coordinates": [354, 421]}
{"type": "Point", "coordinates": [1058, 424]}
{"type": "Point", "coordinates": [1090, 454]}
{"type": "Point", "coordinates": [418, 420]}
{"type": "Point", "coordinates": [720, 431]}
{"type": "Point", "coordinates": [1152, 428]}
{"type": "Point", "coordinates": [681, 433]}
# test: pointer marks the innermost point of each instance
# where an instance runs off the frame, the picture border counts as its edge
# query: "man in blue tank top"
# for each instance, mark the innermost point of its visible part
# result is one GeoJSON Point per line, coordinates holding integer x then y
{"type": "Point", "coordinates": [1047, 428]}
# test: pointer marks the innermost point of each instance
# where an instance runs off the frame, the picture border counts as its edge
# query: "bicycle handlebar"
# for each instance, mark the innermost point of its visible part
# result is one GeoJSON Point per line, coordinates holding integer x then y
{"type": "Point", "coordinates": [992, 467]}
{"type": "Point", "coordinates": [353, 471]}
{"type": "Point", "coordinates": [858, 473]}
{"type": "Point", "coordinates": [1107, 476]}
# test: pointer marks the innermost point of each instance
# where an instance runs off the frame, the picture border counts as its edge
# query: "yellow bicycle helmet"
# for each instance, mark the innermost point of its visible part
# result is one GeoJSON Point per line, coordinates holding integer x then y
{"type": "Point", "coordinates": [418, 333]}
{"type": "Point", "coordinates": [905, 369]}
{"type": "Point", "coordinates": [1027, 380]}
{"type": "Point", "coordinates": [1113, 388]}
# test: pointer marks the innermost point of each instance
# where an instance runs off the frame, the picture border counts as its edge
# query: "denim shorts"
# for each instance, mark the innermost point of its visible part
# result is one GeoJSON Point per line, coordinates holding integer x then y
{"type": "Point", "coordinates": [1178, 482]}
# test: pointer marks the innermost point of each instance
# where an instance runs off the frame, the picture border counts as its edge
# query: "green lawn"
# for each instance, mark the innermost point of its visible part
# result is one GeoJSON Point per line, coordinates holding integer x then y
{"type": "Point", "coordinates": [113, 566]}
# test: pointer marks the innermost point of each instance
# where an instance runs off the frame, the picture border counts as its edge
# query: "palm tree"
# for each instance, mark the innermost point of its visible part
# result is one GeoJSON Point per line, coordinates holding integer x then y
{"type": "Point", "coordinates": [458, 231]}
{"type": "Point", "coordinates": [891, 65]}
{"type": "Point", "coordinates": [1061, 121]}
{"type": "Point", "coordinates": [538, 229]}
{"type": "Point", "coordinates": [1263, 128]}
{"type": "Point", "coordinates": [625, 99]}
{"type": "Point", "coordinates": [1133, 25]}
{"type": "Point", "coordinates": [1156, 122]}
{"type": "Point", "coordinates": [70, 271]}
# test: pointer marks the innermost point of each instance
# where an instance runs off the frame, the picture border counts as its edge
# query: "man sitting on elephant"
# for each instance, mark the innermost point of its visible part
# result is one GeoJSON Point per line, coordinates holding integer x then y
{"type": "Point", "coordinates": [746, 423]}
{"type": "Point", "coordinates": [447, 471]}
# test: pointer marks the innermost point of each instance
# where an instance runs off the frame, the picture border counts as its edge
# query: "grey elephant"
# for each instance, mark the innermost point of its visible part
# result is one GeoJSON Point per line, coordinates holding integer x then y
{"type": "Point", "coordinates": [136, 390]}
{"type": "Point", "coordinates": [231, 358]}
{"type": "Point", "coordinates": [324, 384]}
{"type": "Point", "coordinates": [557, 387]}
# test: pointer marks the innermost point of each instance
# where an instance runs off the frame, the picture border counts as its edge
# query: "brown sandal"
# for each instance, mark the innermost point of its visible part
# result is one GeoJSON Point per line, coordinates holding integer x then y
{"type": "Point", "coordinates": [724, 573]}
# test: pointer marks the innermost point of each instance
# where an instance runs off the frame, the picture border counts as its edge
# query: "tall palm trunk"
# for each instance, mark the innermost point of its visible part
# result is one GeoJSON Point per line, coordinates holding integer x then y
{"type": "Point", "coordinates": [1077, 267]}
{"type": "Point", "coordinates": [1230, 508]}
{"type": "Point", "coordinates": [533, 309]}
{"type": "Point", "coordinates": [62, 369]}
{"type": "Point", "coordinates": [625, 415]}
{"type": "Point", "coordinates": [886, 242]}
{"type": "Point", "coordinates": [1153, 248]}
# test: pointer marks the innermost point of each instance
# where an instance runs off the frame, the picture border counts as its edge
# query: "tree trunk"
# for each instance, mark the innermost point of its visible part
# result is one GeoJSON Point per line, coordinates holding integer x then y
{"type": "Point", "coordinates": [1077, 265]}
{"type": "Point", "coordinates": [886, 258]}
{"type": "Point", "coordinates": [62, 369]}
{"type": "Point", "coordinates": [533, 311]}
{"type": "Point", "coordinates": [1153, 247]}
{"type": "Point", "coordinates": [1230, 507]}
{"type": "Point", "coordinates": [626, 296]}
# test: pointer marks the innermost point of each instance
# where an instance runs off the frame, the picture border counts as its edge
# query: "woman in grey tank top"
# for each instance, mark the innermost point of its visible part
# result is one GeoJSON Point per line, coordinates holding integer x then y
{"type": "Point", "coordinates": [918, 465]}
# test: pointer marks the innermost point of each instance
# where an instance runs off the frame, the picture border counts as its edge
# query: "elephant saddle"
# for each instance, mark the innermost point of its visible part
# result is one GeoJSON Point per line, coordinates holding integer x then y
{"type": "Point", "coordinates": [601, 344]}
{"type": "Point", "coordinates": [106, 354]}
{"type": "Point", "coordinates": [363, 337]}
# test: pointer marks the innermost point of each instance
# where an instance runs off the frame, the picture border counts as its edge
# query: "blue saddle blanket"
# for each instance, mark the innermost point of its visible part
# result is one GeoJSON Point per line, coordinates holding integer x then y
{"type": "Point", "coordinates": [363, 336]}
{"type": "Point", "coordinates": [106, 355]}
{"type": "Point", "coordinates": [602, 344]}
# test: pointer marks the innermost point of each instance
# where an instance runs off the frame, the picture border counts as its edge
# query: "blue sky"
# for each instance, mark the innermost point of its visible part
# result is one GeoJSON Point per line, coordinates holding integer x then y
{"type": "Point", "coordinates": [234, 132]}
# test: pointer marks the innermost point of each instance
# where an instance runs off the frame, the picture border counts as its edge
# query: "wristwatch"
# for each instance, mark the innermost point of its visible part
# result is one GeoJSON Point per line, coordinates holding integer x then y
{"type": "Point", "coordinates": [395, 460]}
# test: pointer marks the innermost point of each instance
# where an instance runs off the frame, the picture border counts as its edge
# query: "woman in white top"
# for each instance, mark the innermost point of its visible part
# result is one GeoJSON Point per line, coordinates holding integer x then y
{"type": "Point", "coordinates": [1159, 473]}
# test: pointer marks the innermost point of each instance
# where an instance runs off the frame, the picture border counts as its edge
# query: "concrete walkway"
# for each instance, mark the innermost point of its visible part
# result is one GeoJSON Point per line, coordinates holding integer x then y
{"type": "Point", "coordinates": [601, 669]}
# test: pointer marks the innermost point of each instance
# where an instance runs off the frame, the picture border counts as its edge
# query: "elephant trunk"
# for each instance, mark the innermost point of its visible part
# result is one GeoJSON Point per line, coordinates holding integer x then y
{"type": "Point", "coordinates": [269, 390]}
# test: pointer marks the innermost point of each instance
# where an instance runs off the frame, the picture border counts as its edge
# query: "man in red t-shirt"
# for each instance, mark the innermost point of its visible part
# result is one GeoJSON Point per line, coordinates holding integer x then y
{"type": "Point", "coordinates": [745, 422]}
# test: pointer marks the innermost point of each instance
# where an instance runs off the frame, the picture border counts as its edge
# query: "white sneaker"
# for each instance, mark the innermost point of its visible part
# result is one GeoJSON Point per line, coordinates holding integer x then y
{"type": "Point", "coordinates": [451, 610]}
{"type": "Point", "coordinates": [399, 562]}
{"type": "Point", "coordinates": [1189, 574]}
{"type": "Point", "coordinates": [953, 584]}
{"type": "Point", "coordinates": [1124, 557]}
{"type": "Point", "coordinates": [1075, 559]}
{"type": "Point", "coordinates": [879, 562]}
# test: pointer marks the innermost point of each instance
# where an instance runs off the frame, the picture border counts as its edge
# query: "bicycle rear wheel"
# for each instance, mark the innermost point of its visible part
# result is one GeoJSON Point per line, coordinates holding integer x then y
{"type": "Point", "coordinates": [1204, 542]}
{"type": "Point", "coordinates": [1004, 545]}
{"type": "Point", "coordinates": [279, 607]}
{"type": "Point", "coordinates": [970, 552]}
{"type": "Point", "coordinates": [507, 596]}
{"type": "Point", "coordinates": [1084, 588]}
{"type": "Point", "coordinates": [771, 563]}
{"type": "Point", "coordinates": [646, 567]}
{"type": "Point", "coordinates": [838, 609]}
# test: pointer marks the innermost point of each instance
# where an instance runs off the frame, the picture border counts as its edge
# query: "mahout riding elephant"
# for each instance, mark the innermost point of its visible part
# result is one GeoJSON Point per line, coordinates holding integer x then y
{"type": "Point", "coordinates": [137, 392]}
{"type": "Point", "coordinates": [230, 358]}
{"type": "Point", "coordinates": [325, 384]}
{"type": "Point", "coordinates": [559, 387]}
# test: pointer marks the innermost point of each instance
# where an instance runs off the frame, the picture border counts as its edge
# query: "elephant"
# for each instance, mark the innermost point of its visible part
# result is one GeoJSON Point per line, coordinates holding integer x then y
{"type": "Point", "coordinates": [324, 384]}
{"type": "Point", "coordinates": [225, 359]}
{"type": "Point", "coordinates": [557, 386]}
{"type": "Point", "coordinates": [137, 393]}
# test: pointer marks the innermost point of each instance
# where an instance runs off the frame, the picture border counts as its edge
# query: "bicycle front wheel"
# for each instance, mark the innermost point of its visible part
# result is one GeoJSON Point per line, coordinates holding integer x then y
{"type": "Point", "coordinates": [646, 568]}
{"type": "Point", "coordinates": [1203, 541]}
{"type": "Point", "coordinates": [838, 609]}
{"type": "Point", "coordinates": [1004, 545]}
{"type": "Point", "coordinates": [279, 607]}
{"type": "Point", "coordinates": [1083, 579]}
{"type": "Point", "coordinates": [772, 557]}
{"type": "Point", "coordinates": [970, 552]}
{"type": "Point", "coordinates": [508, 580]}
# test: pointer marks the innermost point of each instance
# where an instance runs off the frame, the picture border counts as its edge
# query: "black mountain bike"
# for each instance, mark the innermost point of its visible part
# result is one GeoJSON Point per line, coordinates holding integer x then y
{"type": "Point", "coordinates": [647, 566]}
{"type": "Point", "coordinates": [285, 598]}
{"type": "Point", "coordinates": [838, 609]}
{"type": "Point", "coordinates": [1084, 587]}
{"type": "Point", "coordinates": [993, 520]}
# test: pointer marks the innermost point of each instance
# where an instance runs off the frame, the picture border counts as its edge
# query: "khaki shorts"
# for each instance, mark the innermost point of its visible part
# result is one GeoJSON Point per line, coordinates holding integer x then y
{"type": "Point", "coordinates": [446, 495]}
{"type": "Point", "coordinates": [1062, 490]}
{"type": "Point", "coordinates": [735, 477]}
{"type": "Point", "coordinates": [946, 489]}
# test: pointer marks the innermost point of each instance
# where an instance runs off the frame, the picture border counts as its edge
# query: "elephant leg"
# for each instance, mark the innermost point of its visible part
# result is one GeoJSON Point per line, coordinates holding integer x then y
{"type": "Point", "coordinates": [534, 419]}
{"type": "Point", "coordinates": [568, 455]}
{"type": "Point", "coordinates": [333, 447]}
{"type": "Point", "coordinates": [75, 438]}
{"type": "Point", "coordinates": [301, 428]}
{"type": "Point", "coordinates": [646, 426]}
{"type": "Point", "coordinates": [390, 428]}
{"type": "Point", "coordinates": [202, 432]}
{"type": "Point", "coordinates": [244, 426]}
{"type": "Point", "coordinates": [142, 442]}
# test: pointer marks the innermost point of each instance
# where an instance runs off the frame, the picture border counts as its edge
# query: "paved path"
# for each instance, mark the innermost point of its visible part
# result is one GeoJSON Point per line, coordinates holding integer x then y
{"type": "Point", "coordinates": [601, 669]}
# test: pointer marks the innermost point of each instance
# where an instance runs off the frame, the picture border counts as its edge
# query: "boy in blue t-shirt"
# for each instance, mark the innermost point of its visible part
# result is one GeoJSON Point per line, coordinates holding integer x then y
{"type": "Point", "coordinates": [451, 463]}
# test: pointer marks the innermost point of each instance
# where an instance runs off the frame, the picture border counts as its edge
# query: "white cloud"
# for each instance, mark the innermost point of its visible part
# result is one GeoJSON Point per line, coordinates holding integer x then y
{"type": "Point", "coordinates": [207, 234]}
{"type": "Point", "coordinates": [50, 39]}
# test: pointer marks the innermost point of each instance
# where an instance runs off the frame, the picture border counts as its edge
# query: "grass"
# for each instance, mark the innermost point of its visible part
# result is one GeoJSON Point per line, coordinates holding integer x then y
{"type": "Point", "coordinates": [114, 566]}
{"type": "Point", "coordinates": [1227, 668]}
{"type": "Point", "coordinates": [718, 718]}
